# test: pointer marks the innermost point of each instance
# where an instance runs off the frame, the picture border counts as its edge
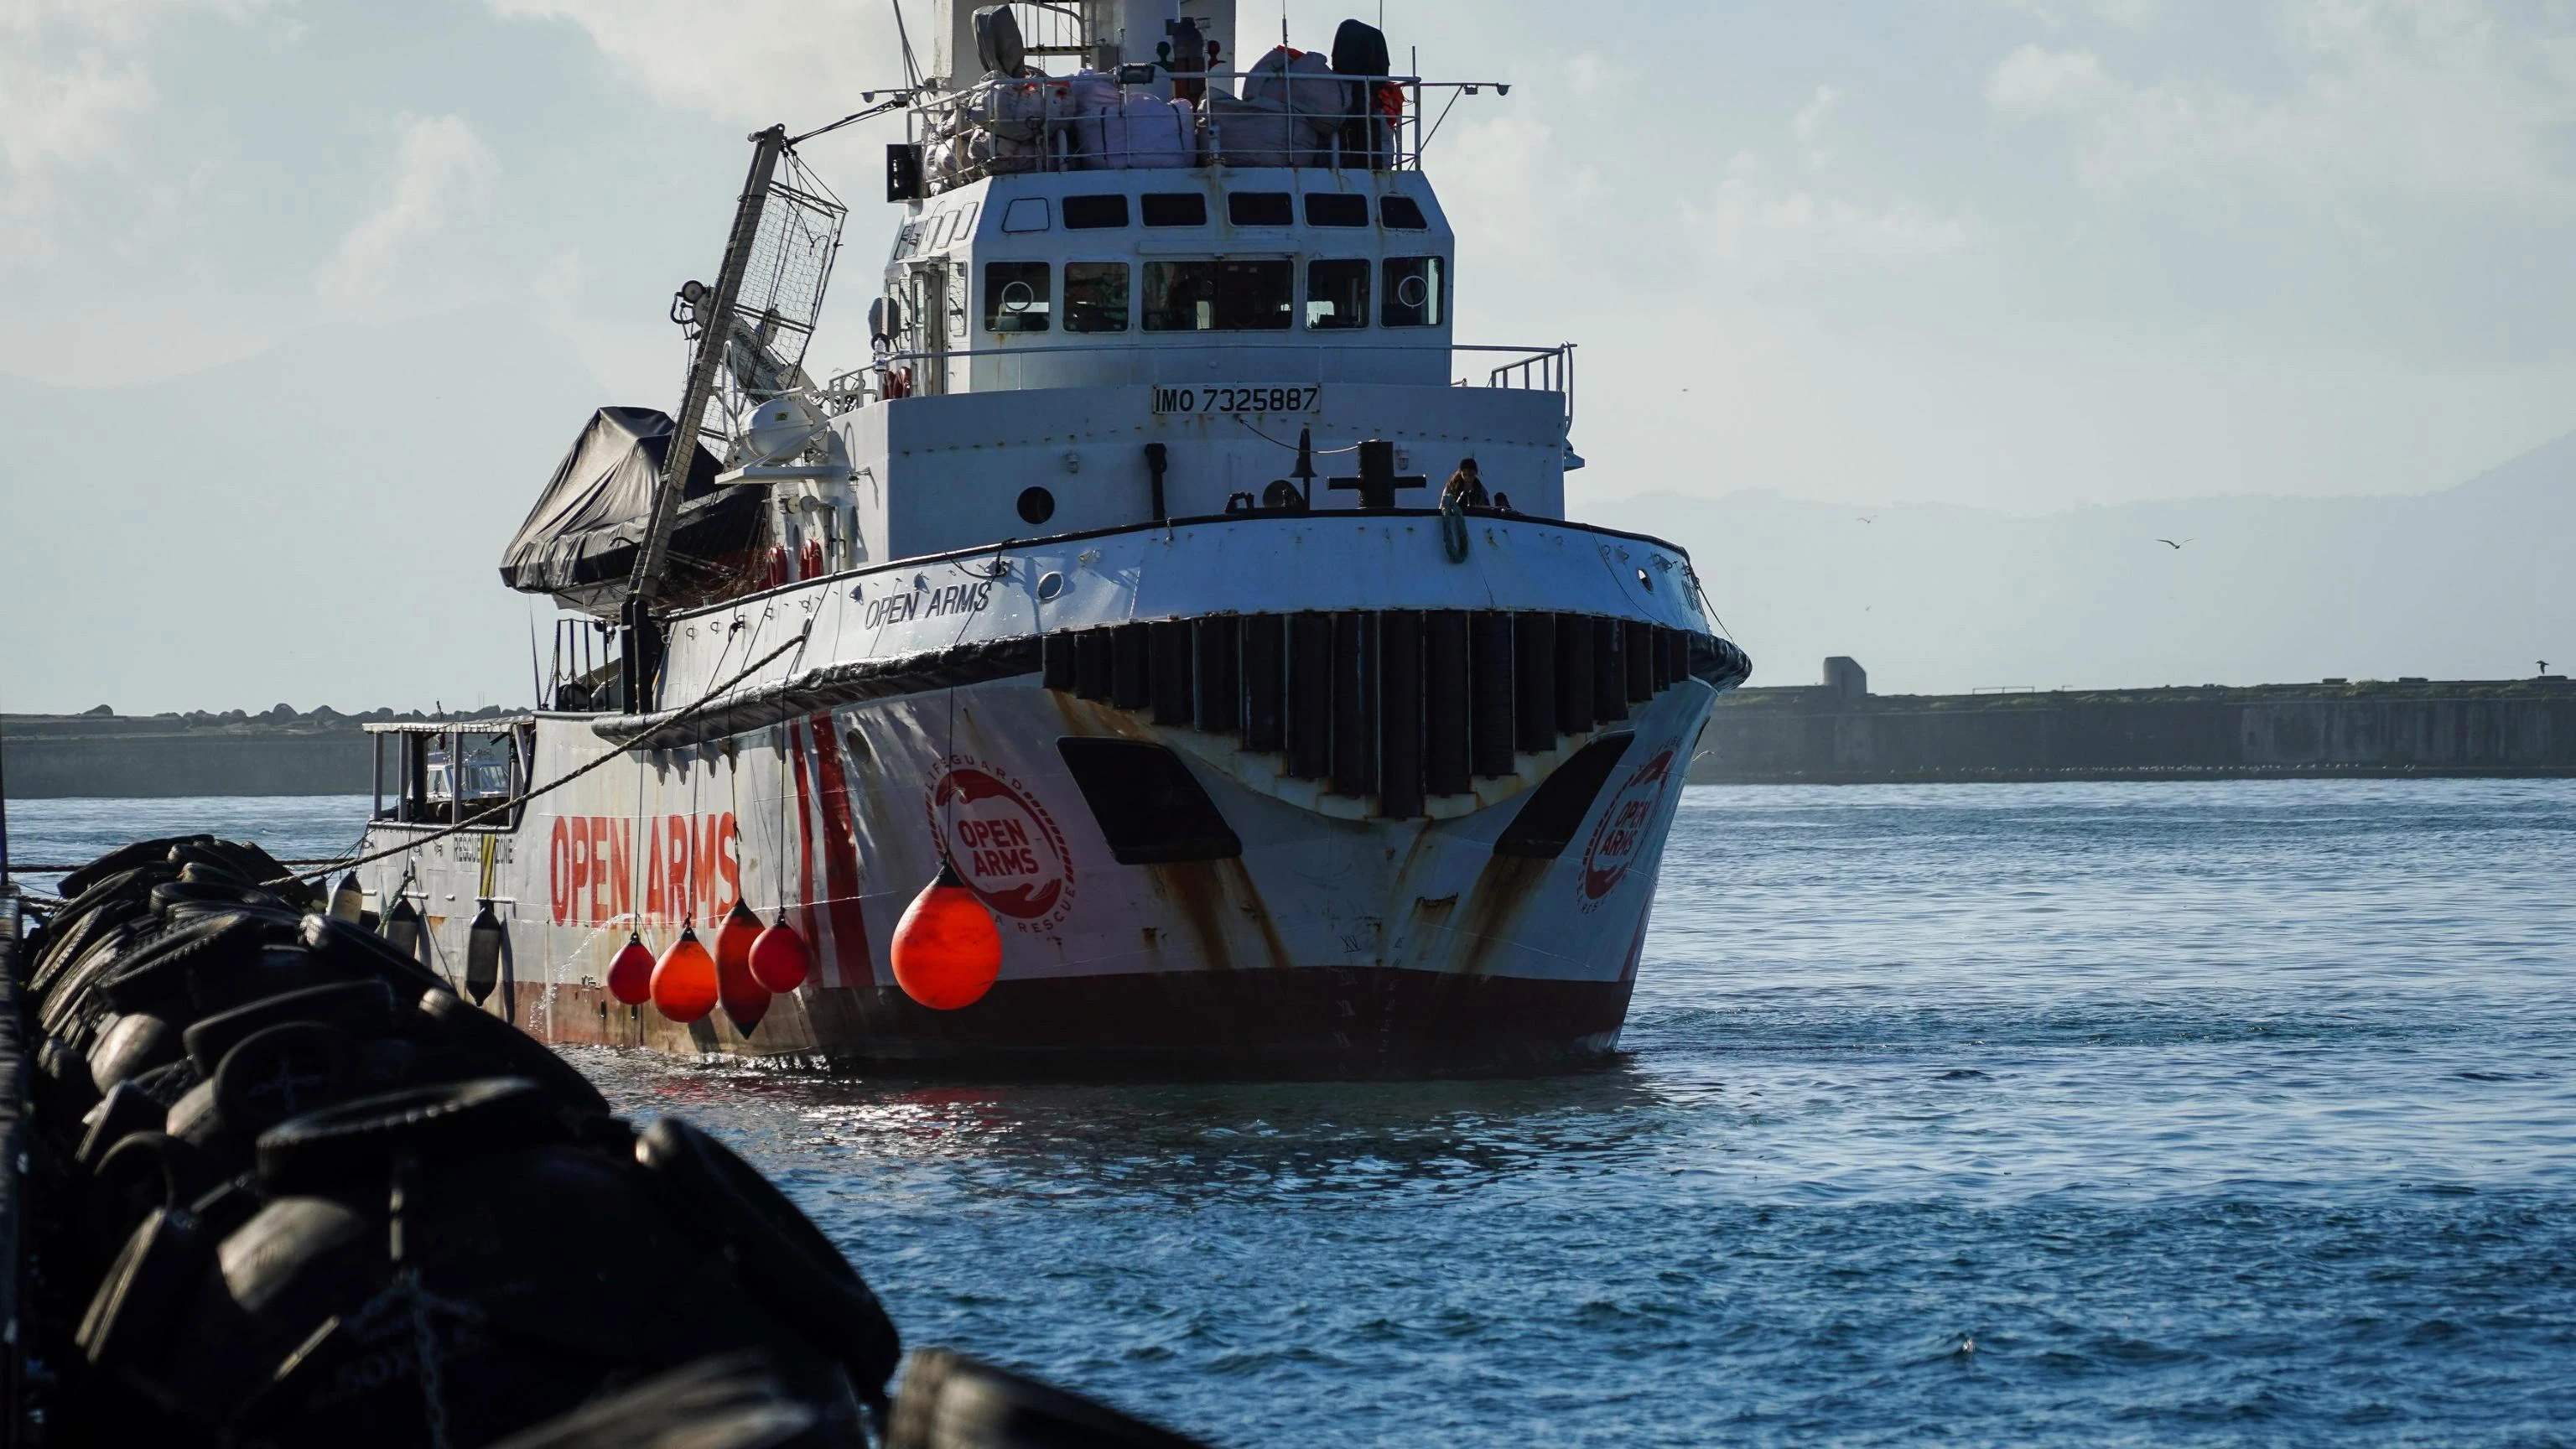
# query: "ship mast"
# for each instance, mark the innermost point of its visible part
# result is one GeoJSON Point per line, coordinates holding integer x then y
{"type": "Point", "coordinates": [715, 319]}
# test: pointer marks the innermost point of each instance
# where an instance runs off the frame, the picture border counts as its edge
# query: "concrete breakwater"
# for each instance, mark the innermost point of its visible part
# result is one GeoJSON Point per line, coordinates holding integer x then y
{"type": "Point", "coordinates": [1837, 733]}
{"type": "Point", "coordinates": [281, 752]}
{"type": "Point", "coordinates": [1841, 734]}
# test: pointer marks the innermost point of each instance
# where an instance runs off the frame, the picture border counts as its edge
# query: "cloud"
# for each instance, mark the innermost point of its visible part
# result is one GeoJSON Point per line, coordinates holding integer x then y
{"type": "Point", "coordinates": [753, 62]}
{"type": "Point", "coordinates": [76, 81]}
{"type": "Point", "coordinates": [2378, 99]}
{"type": "Point", "coordinates": [2034, 81]}
{"type": "Point", "coordinates": [1809, 125]}
{"type": "Point", "coordinates": [1750, 223]}
{"type": "Point", "coordinates": [442, 173]}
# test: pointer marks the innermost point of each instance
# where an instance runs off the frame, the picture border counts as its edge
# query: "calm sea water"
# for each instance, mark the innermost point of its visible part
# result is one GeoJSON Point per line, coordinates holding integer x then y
{"type": "Point", "coordinates": [2211, 1113]}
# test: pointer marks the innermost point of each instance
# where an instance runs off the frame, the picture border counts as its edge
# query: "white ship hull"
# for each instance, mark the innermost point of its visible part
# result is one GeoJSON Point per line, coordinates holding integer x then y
{"type": "Point", "coordinates": [934, 707]}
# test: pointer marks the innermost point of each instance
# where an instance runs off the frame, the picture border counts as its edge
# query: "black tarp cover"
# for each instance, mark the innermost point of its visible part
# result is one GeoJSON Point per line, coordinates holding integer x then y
{"type": "Point", "coordinates": [579, 541]}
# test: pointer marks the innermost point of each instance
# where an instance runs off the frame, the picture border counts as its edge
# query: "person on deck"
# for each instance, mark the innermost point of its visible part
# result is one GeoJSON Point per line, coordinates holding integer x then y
{"type": "Point", "coordinates": [1464, 488]}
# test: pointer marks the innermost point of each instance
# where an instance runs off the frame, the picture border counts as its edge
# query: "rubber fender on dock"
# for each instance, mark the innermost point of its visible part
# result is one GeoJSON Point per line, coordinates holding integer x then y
{"type": "Point", "coordinates": [138, 1042]}
{"type": "Point", "coordinates": [950, 1401]}
{"type": "Point", "coordinates": [781, 1255]}
{"type": "Point", "coordinates": [355, 1144]}
{"type": "Point", "coordinates": [725, 1401]}
{"type": "Point", "coordinates": [323, 1201]}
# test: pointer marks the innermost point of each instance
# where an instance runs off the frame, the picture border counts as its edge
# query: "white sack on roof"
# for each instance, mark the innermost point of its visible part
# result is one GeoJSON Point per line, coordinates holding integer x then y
{"type": "Point", "coordinates": [1147, 133]}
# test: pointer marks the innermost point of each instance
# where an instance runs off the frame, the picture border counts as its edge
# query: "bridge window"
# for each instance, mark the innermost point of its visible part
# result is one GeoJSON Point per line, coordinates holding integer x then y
{"type": "Point", "coordinates": [1095, 296]}
{"type": "Point", "coordinates": [445, 777]}
{"type": "Point", "coordinates": [1260, 208]}
{"type": "Point", "coordinates": [1016, 296]}
{"type": "Point", "coordinates": [1402, 213]}
{"type": "Point", "coordinates": [1175, 208]}
{"type": "Point", "coordinates": [1027, 213]}
{"type": "Point", "coordinates": [1337, 294]}
{"type": "Point", "coordinates": [1219, 296]}
{"type": "Point", "coordinates": [1413, 296]}
{"type": "Point", "coordinates": [1331, 208]}
{"type": "Point", "coordinates": [1092, 213]}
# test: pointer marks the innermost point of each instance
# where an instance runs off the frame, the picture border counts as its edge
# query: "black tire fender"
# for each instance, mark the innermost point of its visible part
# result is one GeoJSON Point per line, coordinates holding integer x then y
{"type": "Point", "coordinates": [280, 1073]}
{"type": "Point", "coordinates": [774, 1248]}
{"type": "Point", "coordinates": [357, 1141]}
{"type": "Point", "coordinates": [143, 1173]}
{"type": "Point", "coordinates": [143, 1296]}
{"type": "Point", "coordinates": [358, 1008]}
{"type": "Point", "coordinates": [138, 1042]}
{"type": "Point", "coordinates": [950, 1401]}
{"type": "Point", "coordinates": [125, 1110]}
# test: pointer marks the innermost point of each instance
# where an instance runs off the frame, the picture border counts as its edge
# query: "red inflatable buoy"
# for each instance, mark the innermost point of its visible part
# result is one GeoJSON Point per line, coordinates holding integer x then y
{"type": "Point", "coordinates": [630, 975]}
{"type": "Point", "coordinates": [744, 999]}
{"type": "Point", "coordinates": [684, 980]}
{"type": "Point", "coordinates": [734, 937]}
{"type": "Point", "coordinates": [778, 957]}
{"type": "Point", "coordinates": [946, 948]}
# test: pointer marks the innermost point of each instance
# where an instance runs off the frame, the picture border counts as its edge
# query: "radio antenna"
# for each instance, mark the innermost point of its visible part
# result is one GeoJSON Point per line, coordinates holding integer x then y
{"type": "Point", "coordinates": [911, 69]}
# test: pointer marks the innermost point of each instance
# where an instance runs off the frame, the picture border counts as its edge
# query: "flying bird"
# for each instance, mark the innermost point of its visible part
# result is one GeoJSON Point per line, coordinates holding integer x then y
{"type": "Point", "coordinates": [1867, 517]}
{"type": "Point", "coordinates": [2169, 543]}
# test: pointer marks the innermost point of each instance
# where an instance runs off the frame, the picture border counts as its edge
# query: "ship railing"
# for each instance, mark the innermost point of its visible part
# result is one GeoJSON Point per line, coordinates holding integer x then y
{"type": "Point", "coordinates": [1547, 370]}
{"type": "Point", "coordinates": [1179, 364]}
{"type": "Point", "coordinates": [1001, 126]}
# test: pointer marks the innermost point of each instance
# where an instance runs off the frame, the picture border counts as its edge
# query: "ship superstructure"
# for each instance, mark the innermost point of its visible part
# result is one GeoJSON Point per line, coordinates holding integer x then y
{"type": "Point", "coordinates": [1122, 579]}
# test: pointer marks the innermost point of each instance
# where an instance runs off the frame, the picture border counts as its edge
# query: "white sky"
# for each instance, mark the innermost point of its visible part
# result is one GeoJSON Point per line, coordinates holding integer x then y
{"type": "Point", "coordinates": [2018, 254]}
{"type": "Point", "coordinates": [2010, 252]}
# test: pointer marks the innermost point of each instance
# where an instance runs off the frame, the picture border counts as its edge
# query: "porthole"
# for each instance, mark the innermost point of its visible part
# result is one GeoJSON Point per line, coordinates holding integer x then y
{"type": "Point", "coordinates": [1050, 584]}
{"type": "Point", "coordinates": [1037, 505]}
{"type": "Point", "coordinates": [1645, 581]}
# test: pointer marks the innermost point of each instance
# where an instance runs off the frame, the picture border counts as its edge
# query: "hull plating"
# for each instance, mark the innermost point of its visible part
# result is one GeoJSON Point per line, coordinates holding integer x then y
{"type": "Point", "coordinates": [1336, 941]}
{"type": "Point", "coordinates": [1330, 945]}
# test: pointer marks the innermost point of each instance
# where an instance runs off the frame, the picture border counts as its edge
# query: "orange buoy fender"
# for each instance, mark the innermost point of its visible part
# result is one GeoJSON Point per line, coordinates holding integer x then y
{"type": "Point", "coordinates": [684, 980]}
{"type": "Point", "coordinates": [734, 938]}
{"type": "Point", "coordinates": [947, 950]}
{"type": "Point", "coordinates": [779, 960]}
{"type": "Point", "coordinates": [630, 975]}
{"type": "Point", "coordinates": [744, 999]}
{"type": "Point", "coordinates": [738, 991]}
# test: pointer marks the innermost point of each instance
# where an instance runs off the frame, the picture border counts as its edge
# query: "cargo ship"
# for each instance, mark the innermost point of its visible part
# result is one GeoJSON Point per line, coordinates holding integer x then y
{"type": "Point", "coordinates": [1169, 582]}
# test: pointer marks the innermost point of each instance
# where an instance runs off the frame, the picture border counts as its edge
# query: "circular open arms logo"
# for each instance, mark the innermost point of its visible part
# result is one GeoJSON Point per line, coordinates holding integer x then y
{"type": "Point", "coordinates": [1004, 843]}
{"type": "Point", "coordinates": [1626, 826]}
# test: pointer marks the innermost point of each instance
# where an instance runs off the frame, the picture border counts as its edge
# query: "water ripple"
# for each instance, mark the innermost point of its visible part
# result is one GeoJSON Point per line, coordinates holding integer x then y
{"type": "Point", "coordinates": [2148, 1113]}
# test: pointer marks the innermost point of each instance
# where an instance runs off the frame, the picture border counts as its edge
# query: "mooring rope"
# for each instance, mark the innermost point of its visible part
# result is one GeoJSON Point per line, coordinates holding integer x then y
{"type": "Point", "coordinates": [559, 781]}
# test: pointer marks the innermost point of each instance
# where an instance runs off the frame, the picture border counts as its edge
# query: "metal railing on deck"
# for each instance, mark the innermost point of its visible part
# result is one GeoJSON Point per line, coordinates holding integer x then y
{"type": "Point", "coordinates": [1548, 371]}
{"type": "Point", "coordinates": [1000, 126]}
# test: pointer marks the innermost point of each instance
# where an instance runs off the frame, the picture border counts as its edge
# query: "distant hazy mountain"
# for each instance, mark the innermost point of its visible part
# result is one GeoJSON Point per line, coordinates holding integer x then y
{"type": "Point", "coordinates": [319, 525]}
{"type": "Point", "coordinates": [2475, 582]}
